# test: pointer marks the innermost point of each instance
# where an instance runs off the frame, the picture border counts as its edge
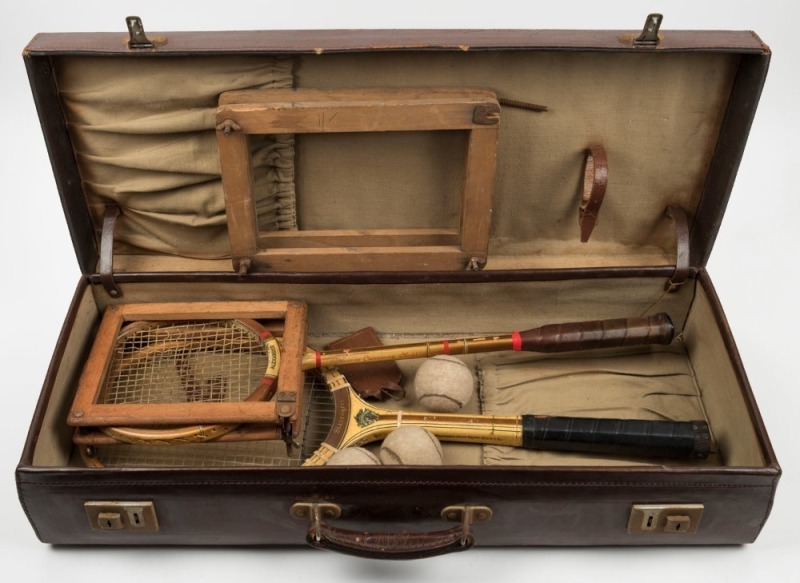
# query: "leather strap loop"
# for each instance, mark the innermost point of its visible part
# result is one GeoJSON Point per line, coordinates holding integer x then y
{"type": "Point", "coordinates": [106, 266]}
{"type": "Point", "coordinates": [595, 181]}
{"type": "Point", "coordinates": [682, 267]}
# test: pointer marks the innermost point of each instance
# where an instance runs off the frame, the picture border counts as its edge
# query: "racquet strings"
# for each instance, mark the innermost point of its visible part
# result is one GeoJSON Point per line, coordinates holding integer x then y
{"type": "Point", "coordinates": [317, 419]}
{"type": "Point", "coordinates": [211, 361]}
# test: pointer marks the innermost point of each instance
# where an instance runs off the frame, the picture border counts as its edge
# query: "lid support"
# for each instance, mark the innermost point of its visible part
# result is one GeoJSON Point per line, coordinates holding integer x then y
{"type": "Point", "coordinates": [682, 268]}
{"type": "Point", "coordinates": [106, 266]}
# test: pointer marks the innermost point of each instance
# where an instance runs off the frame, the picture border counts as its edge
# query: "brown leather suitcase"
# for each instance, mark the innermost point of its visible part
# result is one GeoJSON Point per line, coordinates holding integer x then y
{"type": "Point", "coordinates": [427, 184]}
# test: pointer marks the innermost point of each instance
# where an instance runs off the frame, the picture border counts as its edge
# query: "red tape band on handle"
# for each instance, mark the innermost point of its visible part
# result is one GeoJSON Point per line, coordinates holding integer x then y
{"type": "Point", "coordinates": [446, 346]}
{"type": "Point", "coordinates": [318, 359]}
{"type": "Point", "coordinates": [265, 334]}
{"type": "Point", "coordinates": [516, 341]}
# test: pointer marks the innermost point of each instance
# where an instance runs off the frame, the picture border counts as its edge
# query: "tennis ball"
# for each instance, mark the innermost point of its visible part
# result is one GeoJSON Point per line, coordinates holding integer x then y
{"type": "Point", "coordinates": [353, 456]}
{"type": "Point", "coordinates": [413, 446]}
{"type": "Point", "coordinates": [444, 384]}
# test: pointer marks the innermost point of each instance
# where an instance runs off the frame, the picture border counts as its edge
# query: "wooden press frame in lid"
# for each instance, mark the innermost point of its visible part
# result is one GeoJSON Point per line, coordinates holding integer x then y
{"type": "Point", "coordinates": [87, 412]}
{"type": "Point", "coordinates": [286, 111]}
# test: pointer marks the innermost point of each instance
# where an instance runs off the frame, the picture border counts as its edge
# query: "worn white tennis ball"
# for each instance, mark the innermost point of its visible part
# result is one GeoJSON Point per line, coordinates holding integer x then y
{"type": "Point", "coordinates": [353, 456]}
{"type": "Point", "coordinates": [412, 446]}
{"type": "Point", "coordinates": [444, 384]}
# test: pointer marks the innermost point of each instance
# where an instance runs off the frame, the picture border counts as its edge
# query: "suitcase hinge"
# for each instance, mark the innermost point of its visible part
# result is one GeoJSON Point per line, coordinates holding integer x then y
{"type": "Point", "coordinates": [106, 266]}
{"type": "Point", "coordinates": [649, 36]}
{"type": "Point", "coordinates": [138, 39]}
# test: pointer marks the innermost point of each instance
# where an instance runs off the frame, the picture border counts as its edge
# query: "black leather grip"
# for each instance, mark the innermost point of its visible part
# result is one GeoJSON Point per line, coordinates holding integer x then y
{"type": "Point", "coordinates": [674, 439]}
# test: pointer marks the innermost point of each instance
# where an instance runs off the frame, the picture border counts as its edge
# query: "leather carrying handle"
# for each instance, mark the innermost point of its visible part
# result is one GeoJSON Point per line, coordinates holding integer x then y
{"type": "Point", "coordinates": [674, 439]}
{"type": "Point", "coordinates": [388, 545]}
{"type": "Point", "coordinates": [657, 329]}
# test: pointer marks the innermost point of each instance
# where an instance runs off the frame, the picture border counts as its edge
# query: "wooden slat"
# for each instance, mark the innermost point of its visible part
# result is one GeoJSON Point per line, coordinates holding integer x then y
{"type": "Point", "coordinates": [340, 259]}
{"type": "Point", "coordinates": [323, 96]}
{"type": "Point", "coordinates": [95, 369]}
{"type": "Point", "coordinates": [246, 432]}
{"type": "Point", "coordinates": [291, 378]}
{"type": "Point", "coordinates": [189, 414]}
{"type": "Point", "coordinates": [358, 238]}
{"type": "Point", "coordinates": [366, 110]}
{"type": "Point", "coordinates": [476, 204]}
{"type": "Point", "coordinates": [237, 184]}
{"type": "Point", "coordinates": [351, 117]}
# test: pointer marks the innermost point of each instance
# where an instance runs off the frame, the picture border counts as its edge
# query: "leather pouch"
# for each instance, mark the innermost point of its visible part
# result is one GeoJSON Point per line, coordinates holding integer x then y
{"type": "Point", "coordinates": [375, 380]}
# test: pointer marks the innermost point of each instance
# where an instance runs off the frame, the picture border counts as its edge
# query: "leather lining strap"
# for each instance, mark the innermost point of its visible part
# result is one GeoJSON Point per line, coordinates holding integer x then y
{"type": "Point", "coordinates": [595, 180]}
{"type": "Point", "coordinates": [106, 266]}
{"type": "Point", "coordinates": [682, 268]}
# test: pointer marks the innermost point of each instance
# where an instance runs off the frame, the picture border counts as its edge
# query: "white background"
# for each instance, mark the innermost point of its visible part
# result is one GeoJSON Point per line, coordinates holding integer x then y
{"type": "Point", "coordinates": [754, 267]}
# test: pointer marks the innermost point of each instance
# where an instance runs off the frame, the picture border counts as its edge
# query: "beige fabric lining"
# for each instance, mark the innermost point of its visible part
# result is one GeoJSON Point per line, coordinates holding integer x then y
{"type": "Point", "coordinates": [641, 383]}
{"type": "Point", "coordinates": [53, 443]}
{"type": "Point", "coordinates": [145, 140]}
{"type": "Point", "coordinates": [671, 378]}
{"type": "Point", "coordinates": [727, 411]}
{"type": "Point", "coordinates": [658, 116]}
{"type": "Point", "coordinates": [432, 310]}
{"type": "Point", "coordinates": [143, 132]}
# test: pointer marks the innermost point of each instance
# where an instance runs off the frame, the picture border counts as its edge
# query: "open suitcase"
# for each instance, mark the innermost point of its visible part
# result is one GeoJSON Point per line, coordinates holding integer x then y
{"type": "Point", "coordinates": [429, 185]}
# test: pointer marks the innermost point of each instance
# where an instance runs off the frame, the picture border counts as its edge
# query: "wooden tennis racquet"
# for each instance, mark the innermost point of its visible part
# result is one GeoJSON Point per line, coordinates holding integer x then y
{"type": "Point", "coordinates": [336, 417]}
{"type": "Point", "coordinates": [354, 422]}
{"type": "Point", "coordinates": [657, 329]}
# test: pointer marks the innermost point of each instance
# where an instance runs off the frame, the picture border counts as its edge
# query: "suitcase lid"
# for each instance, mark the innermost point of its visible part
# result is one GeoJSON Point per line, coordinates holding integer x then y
{"type": "Point", "coordinates": [432, 154]}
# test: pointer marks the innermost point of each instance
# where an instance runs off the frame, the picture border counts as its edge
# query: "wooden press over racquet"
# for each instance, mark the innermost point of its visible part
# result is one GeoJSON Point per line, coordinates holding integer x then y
{"type": "Point", "coordinates": [192, 372]}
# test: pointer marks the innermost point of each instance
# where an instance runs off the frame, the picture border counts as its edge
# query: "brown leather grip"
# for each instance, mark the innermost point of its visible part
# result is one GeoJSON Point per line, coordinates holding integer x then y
{"type": "Point", "coordinates": [389, 545]}
{"type": "Point", "coordinates": [656, 329]}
